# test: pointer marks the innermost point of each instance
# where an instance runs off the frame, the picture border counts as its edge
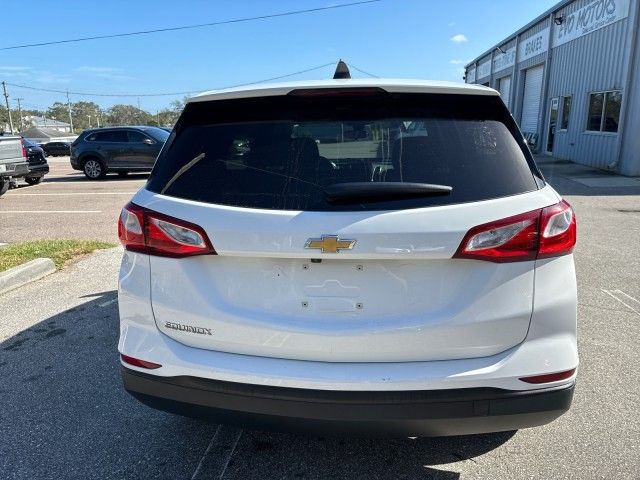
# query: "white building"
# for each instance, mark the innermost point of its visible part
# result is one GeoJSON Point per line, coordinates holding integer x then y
{"type": "Point", "coordinates": [48, 123]}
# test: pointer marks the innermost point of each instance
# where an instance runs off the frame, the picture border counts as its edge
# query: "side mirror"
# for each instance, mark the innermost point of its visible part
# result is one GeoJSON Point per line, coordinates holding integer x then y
{"type": "Point", "coordinates": [148, 141]}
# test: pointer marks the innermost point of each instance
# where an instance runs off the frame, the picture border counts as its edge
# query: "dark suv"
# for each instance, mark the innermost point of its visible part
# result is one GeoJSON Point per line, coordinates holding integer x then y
{"type": "Point", "coordinates": [117, 149]}
{"type": "Point", "coordinates": [56, 148]}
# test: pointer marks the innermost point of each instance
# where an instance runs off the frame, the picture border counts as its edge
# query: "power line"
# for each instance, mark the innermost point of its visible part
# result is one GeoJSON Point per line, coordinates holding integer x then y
{"type": "Point", "coordinates": [188, 27]}
{"type": "Point", "coordinates": [90, 94]}
{"type": "Point", "coordinates": [362, 71]}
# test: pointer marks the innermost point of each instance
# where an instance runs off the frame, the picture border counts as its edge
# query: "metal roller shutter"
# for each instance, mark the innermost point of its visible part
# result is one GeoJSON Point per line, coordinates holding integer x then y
{"type": "Point", "coordinates": [505, 90]}
{"type": "Point", "coordinates": [531, 99]}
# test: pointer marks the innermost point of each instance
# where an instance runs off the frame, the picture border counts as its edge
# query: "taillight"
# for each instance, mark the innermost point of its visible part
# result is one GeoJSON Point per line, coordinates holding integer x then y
{"type": "Point", "coordinates": [559, 229]}
{"type": "Point", "coordinates": [543, 233]}
{"type": "Point", "coordinates": [24, 148]}
{"type": "Point", "coordinates": [145, 231]}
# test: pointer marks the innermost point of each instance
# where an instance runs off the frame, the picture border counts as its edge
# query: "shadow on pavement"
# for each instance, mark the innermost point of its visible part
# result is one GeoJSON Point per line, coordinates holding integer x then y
{"type": "Point", "coordinates": [298, 456]}
{"type": "Point", "coordinates": [65, 415]}
{"type": "Point", "coordinates": [80, 177]}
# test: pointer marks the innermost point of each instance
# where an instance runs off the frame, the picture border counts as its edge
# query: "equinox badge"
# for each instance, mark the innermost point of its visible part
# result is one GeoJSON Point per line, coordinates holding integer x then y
{"type": "Point", "coordinates": [187, 328]}
{"type": "Point", "coordinates": [329, 244]}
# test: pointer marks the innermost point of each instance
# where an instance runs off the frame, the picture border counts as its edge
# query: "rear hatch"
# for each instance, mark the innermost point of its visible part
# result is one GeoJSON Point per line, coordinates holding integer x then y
{"type": "Point", "coordinates": [11, 153]}
{"type": "Point", "coordinates": [334, 216]}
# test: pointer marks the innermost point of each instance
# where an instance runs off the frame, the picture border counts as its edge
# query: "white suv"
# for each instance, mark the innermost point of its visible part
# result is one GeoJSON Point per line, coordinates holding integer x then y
{"type": "Point", "coordinates": [296, 260]}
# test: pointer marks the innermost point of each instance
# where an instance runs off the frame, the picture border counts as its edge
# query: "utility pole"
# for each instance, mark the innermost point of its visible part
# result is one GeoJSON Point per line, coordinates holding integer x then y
{"type": "Point", "coordinates": [20, 113]}
{"type": "Point", "coordinates": [6, 101]}
{"type": "Point", "coordinates": [69, 108]}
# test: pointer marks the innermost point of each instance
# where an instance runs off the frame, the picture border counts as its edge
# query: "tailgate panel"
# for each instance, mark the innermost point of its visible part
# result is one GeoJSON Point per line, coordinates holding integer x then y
{"type": "Point", "coordinates": [333, 311]}
{"type": "Point", "coordinates": [397, 296]}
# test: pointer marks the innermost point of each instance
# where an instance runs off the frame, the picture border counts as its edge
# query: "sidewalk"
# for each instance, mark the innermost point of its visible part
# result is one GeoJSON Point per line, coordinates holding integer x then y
{"type": "Point", "coordinates": [573, 179]}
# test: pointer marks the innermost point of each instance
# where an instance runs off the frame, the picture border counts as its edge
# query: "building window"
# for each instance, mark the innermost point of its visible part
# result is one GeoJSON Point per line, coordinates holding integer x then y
{"type": "Point", "coordinates": [612, 105]}
{"type": "Point", "coordinates": [604, 111]}
{"type": "Point", "coordinates": [566, 113]}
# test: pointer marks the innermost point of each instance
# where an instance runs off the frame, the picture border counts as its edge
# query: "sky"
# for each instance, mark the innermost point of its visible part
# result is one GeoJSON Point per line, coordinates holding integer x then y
{"type": "Point", "coordinates": [426, 39]}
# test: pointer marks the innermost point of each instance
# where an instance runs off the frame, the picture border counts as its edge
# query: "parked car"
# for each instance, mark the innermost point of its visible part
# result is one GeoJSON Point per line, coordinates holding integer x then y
{"type": "Point", "coordinates": [97, 152]}
{"type": "Point", "coordinates": [56, 149]}
{"type": "Point", "coordinates": [13, 161]}
{"type": "Point", "coordinates": [425, 287]}
{"type": "Point", "coordinates": [38, 166]}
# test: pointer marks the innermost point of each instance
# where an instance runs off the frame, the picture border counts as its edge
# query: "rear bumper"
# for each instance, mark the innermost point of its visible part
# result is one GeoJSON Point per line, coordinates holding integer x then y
{"type": "Point", "coordinates": [420, 413]}
{"type": "Point", "coordinates": [14, 169]}
{"type": "Point", "coordinates": [38, 170]}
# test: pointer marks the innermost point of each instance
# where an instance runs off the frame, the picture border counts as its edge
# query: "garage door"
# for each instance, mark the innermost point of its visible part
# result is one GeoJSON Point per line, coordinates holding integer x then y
{"type": "Point", "coordinates": [505, 90]}
{"type": "Point", "coordinates": [531, 99]}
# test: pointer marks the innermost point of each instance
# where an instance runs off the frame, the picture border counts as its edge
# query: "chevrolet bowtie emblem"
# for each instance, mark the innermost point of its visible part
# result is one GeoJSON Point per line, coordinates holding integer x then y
{"type": "Point", "coordinates": [329, 244]}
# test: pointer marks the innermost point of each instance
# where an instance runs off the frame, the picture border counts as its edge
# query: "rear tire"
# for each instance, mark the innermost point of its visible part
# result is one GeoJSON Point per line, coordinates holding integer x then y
{"type": "Point", "coordinates": [33, 180]}
{"type": "Point", "coordinates": [93, 169]}
{"type": "Point", "coordinates": [4, 185]}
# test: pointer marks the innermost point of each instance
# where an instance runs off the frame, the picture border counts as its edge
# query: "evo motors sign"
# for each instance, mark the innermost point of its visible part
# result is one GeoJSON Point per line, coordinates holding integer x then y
{"type": "Point", "coordinates": [592, 17]}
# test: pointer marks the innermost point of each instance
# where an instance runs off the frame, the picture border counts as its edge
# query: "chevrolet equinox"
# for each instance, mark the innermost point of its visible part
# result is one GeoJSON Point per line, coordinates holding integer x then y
{"type": "Point", "coordinates": [367, 255]}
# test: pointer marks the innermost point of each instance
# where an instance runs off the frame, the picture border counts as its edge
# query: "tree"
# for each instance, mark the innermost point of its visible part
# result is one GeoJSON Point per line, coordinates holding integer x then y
{"type": "Point", "coordinates": [58, 111]}
{"type": "Point", "coordinates": [167, 117]}
{"type": "Point", "coordinates": [85, 115]}
{"type": "Point", "coordinates": [126, 115]}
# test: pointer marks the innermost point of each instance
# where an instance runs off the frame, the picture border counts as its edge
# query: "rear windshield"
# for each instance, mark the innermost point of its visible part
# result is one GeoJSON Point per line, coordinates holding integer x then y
{"type": "Point", "coordinates": [283, 152]}
{"type": "Point", "coordinates": [157, 133]}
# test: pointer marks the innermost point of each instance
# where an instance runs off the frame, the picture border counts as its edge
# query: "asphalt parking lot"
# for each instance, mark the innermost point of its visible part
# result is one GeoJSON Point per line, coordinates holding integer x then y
{"type": "Point", "coordinates": [66, 205]}
{"type": "Point", "coordinates": [65, 415]}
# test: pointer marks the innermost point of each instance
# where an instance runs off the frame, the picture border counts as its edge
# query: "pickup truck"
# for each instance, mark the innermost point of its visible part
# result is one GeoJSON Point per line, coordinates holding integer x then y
{"type": "Point", "coordinates": [13, 161]}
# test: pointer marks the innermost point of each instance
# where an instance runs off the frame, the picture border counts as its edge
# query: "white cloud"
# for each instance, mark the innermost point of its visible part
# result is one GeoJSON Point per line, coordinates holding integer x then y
{"type": "Point", "coordinates": [14, 68]}
{"type": "Point", "coordinates": [27, 74]}
{"type": "Point", "coordinates": [98, 69]}
{"type": "Point", "coordinates": [456, 62]}
{"type": "Point", "coordinates": [50, 77]}
{"type": "Point", "coordinates": [107, 73]}
{"type": "Point", "coordinates": [452, 24]}
{"type": "Point", "coordinates": [15, 71]}
{"type": "Point", "coordinates": [459, 38]}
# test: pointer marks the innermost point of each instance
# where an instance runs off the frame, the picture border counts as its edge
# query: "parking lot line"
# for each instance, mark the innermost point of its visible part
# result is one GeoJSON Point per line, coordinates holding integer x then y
{"type": "Point", "coordinates": [614, 294]}
{"type": "Point", "coordinates": [215, 460]}
{"type": "Point", "coordinates": [64, 194]}
{"type": "Point", "coordinates": [89, 182]}
{"type": "Point", "coordinates": [50, 211]}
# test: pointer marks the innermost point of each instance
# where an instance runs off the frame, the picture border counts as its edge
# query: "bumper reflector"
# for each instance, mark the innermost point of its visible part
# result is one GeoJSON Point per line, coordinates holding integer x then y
{"type": "Point", "coordinates": [136, 362]}
{"type": "Point", "coordinates": [549, 377]}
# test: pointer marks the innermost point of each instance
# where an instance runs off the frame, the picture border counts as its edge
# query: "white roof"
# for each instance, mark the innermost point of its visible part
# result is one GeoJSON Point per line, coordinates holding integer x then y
{"type": "Point", "coordinates": [390, 85]}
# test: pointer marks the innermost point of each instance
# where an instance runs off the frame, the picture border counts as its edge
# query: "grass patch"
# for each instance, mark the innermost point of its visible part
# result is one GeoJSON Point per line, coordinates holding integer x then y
{"type": "Point", "coordinates": [60, 251]}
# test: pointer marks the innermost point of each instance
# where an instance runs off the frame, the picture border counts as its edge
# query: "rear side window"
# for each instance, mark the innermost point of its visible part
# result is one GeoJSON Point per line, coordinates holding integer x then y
{"type": "Point", "coordinates": [283, 152]}
{"type": "Point", "coordinates": [136, 137]}
{"type": "Point", "coordinates": [109, 136]}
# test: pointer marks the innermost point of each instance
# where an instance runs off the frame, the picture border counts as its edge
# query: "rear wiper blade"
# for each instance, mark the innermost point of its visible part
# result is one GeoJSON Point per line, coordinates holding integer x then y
{"type": "Point", "coordinates": [378, 191]}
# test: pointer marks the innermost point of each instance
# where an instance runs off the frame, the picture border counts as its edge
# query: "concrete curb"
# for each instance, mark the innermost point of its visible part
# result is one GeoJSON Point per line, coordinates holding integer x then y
{"type": "Point", "coordinates": [27, 272]}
